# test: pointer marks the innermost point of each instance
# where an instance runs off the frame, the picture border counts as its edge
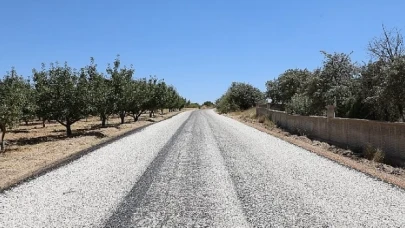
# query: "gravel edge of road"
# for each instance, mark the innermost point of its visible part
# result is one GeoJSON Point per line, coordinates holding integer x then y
{"type": "Point", "coordinates": [72, 157]}
{"type": "Point", "coordinates": [342, 160]}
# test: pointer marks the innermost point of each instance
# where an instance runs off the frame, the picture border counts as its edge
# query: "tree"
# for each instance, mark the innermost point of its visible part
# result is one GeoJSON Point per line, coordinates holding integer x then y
{"type": "Point", "coordinates": [64, 94]}
{"type": "Point", "coordinates": [395, 85]}
{"type": "Point", "coordinates": [29, 108]}
{"type": "Point", "coordinates": [42, 91]}
{"type": "Point", "coordinates": [152, 101]}
{"type": "Point", "coordinates": [388, 47]}
{"type": "Point", "coordinates": [390, 52]}
{"type": "Point", "coordinates": [282, 89]}
{"type": "Point", "coordinates": [12, 98]}
{"type": "Point", "coordinates": [137, 97]}
{"type": "Point", "coordinates": [181, 103]}
{"type": "Point", "coordinates": [171, 98]}
{"type": "Point", "coordinates": [239, 96]}
{"type": "Point", "coordinates": [101, 94]}
{"type": "Point", "coordinates": [161, 92]}
{"type": "Point", "coordinates": [208, 104]}
{"type": "Point", "coordinates": [120, 78]}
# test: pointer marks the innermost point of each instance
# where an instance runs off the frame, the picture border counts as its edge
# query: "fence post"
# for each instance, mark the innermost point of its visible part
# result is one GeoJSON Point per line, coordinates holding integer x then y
{"type": "Point", "coordinates": [330, 114]}
{"type": "Point", "coordinates": [330, 111]}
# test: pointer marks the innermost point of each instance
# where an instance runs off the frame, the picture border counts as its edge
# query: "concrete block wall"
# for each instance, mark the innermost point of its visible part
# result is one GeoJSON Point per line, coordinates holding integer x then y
{"type": "Point", "coordinates": [346, 133]}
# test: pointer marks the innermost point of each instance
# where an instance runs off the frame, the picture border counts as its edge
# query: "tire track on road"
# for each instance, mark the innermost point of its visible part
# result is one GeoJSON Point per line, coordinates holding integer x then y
{"type": "Point", "coordinates": [122, 216]}
{"type": "Point", "coordinates": [191, 188]}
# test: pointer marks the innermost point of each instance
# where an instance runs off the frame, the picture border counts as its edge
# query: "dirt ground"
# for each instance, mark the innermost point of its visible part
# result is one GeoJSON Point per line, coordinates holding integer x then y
{"type": "Point", "coordinates": [31, 147]}
{"type": "Point", "coordinates": [387, 173]}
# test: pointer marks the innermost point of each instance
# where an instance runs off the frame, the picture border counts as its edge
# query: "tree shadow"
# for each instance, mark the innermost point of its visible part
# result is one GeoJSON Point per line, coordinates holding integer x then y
{"type": "Point", "coordinates": [15, 131]}
{"type": "Point", "coordinates": [35, 140]}
{"type": "Point", "coordinates": [51, 138]}
{"type": "Point", "coordinates": [35, 123]}
{"type": "Point", "coordinates": [98, 126]}
{"type": "Point", "coordinates": [85, 132]}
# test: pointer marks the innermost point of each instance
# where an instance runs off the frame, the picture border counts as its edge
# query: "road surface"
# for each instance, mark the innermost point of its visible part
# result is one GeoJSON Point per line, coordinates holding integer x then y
{"type": "Point", "coordinates": [200, 169]}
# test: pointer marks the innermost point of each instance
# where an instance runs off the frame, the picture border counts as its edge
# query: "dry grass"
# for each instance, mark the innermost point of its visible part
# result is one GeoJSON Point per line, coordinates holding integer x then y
{"type": "Point", "coordinates": [32, 147]}
{"type": "Point", "coordinates": [251, 116]}
{"type": "Point", "coordinates": [373, 154]}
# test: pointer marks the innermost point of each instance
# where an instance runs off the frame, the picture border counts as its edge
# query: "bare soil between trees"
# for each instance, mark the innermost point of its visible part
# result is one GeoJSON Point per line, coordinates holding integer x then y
{"type": "Point", "coordinates": [348, 158]}
{"type": "Point", "coordinates": [32, 148]}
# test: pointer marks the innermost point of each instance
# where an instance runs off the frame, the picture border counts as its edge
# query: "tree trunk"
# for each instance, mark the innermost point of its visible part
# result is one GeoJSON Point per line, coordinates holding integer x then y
{"type": "Point", "coordinates": [136, 117]}
{"type": "Point", "coordinates": [68, 129]}
{"type": "Point", "coordinates": [401, 112]}
{"type": "Point", "coordinates": [103, 120]}
{"type": "Point", "coordinates": [26, 122]}
{"type": "Point", "coordinates": [150, 114]}
{"type": "Point", "coordinates": [161, 110]}
{"type": "Point", "coordinates": [43, 122]}
{"type": "Point", "coordinates": [3, 133]}
{"type": "Point", "coordinates": [122, 117]}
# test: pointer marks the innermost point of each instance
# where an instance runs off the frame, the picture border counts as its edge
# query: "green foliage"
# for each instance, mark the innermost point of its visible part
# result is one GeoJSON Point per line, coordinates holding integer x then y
{"type": "Point", "coordinates": [373, 91]}
{"type": "Point", "coordinates": [64, 93]}
{"type": "Point", "coordinates": [67, 95]}
{"type": "Point", "coordinates": [101, 93]}
{"type": "Point", "coordinates": [282, 89]}
{"type": "Point", "coordinates": [138, 98]}
{"type": "Point", "coordinates": [121, 79]}
{"type": "Point", "coordinates": [192, 105]}
{"type": "Point", "coordinates": [44, 107]}
{"type": "Point", "coordinates": [29, 108]}
{"type": "Point", "coordinates": [13, 97]}
{"type": "Point", "coordinates": [208, 104]}
{"type": "Point", "coordinates": [308, 93]}
{"type": "Point", "coordinates": [239, 96]}
{"type": "Point", "coordinates": [300, 105]}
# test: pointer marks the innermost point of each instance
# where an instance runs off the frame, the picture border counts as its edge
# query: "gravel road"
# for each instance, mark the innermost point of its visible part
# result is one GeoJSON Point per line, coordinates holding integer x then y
{"type": "Point", "coordinates": [200, 169]}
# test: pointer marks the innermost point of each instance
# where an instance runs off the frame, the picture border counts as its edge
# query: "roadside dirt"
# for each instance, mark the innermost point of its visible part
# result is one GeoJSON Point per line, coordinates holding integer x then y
{"type": "Point", "coordinates": [387, 173]}
{"type": "Point", "coordinates": [31, 147]}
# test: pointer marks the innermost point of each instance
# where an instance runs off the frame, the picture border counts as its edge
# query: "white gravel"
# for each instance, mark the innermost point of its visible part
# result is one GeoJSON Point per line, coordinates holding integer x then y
{"type": "Point", "coordinates": [200, 169]}
{"type": "Point", "coordinates": [280, 184]}
{"type": "Point", "coordinates": [85, 192]}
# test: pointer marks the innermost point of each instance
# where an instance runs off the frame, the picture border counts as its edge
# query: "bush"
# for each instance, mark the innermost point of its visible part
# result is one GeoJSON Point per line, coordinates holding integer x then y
{"type": "Point", "coordinates": [373, 154]}
{"type": "Point", "coordinates": [299, 105]}
{"type": "Point", "coordinates": [239, 96]}
{"type": "Point", "coordinates": [379, 156]}
{"type": "Point", "coordinates": [262, 119]}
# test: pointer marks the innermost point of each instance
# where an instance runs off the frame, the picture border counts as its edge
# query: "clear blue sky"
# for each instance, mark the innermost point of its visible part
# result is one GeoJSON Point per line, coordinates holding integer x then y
{"type": "Point", "coordinates": [198, 46]}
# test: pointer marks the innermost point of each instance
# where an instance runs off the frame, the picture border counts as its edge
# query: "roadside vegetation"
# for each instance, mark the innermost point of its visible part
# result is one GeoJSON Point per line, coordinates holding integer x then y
{"type": "Point", "coordinates": [58, 92]}
{"type": "Point", "coordinates": [370, 90]}
{"type": "Point", "coordinates": [368, 160]}
{"type": "Point", "coordinates": [238, 97]}
{"type": "Point", "coordinates": [207, 105]}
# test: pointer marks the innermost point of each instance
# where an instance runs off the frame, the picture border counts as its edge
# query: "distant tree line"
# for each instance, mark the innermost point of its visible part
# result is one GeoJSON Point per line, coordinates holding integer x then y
{"type": "Point", "coordinates": [374, 90]}
{"type": "Point", "coordinates": [208, 104]}
{"type": "Point", "coordinates": [189, 104]}
{"type": "Point", "coordinates": [66, 95]}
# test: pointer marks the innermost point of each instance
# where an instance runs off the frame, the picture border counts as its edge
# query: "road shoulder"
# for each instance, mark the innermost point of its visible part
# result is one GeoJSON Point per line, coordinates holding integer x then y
{"type": "Point", "coordinates": [30, 166]}
{"type": "Point", "coordinates": [386, 173]}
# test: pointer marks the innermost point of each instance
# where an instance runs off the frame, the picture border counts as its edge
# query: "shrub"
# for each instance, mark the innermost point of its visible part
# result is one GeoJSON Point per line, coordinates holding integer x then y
{"type": "Point", "coordinates": [262, 119]}
{"type": "Point", "coordinates": [373, 154]}
{"type": "Point", "coordinates": [368, 152]}
{"type": "Point", "coordinates": [379, 156]}
{"type": "Point", "coordinates": [239, 96]}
